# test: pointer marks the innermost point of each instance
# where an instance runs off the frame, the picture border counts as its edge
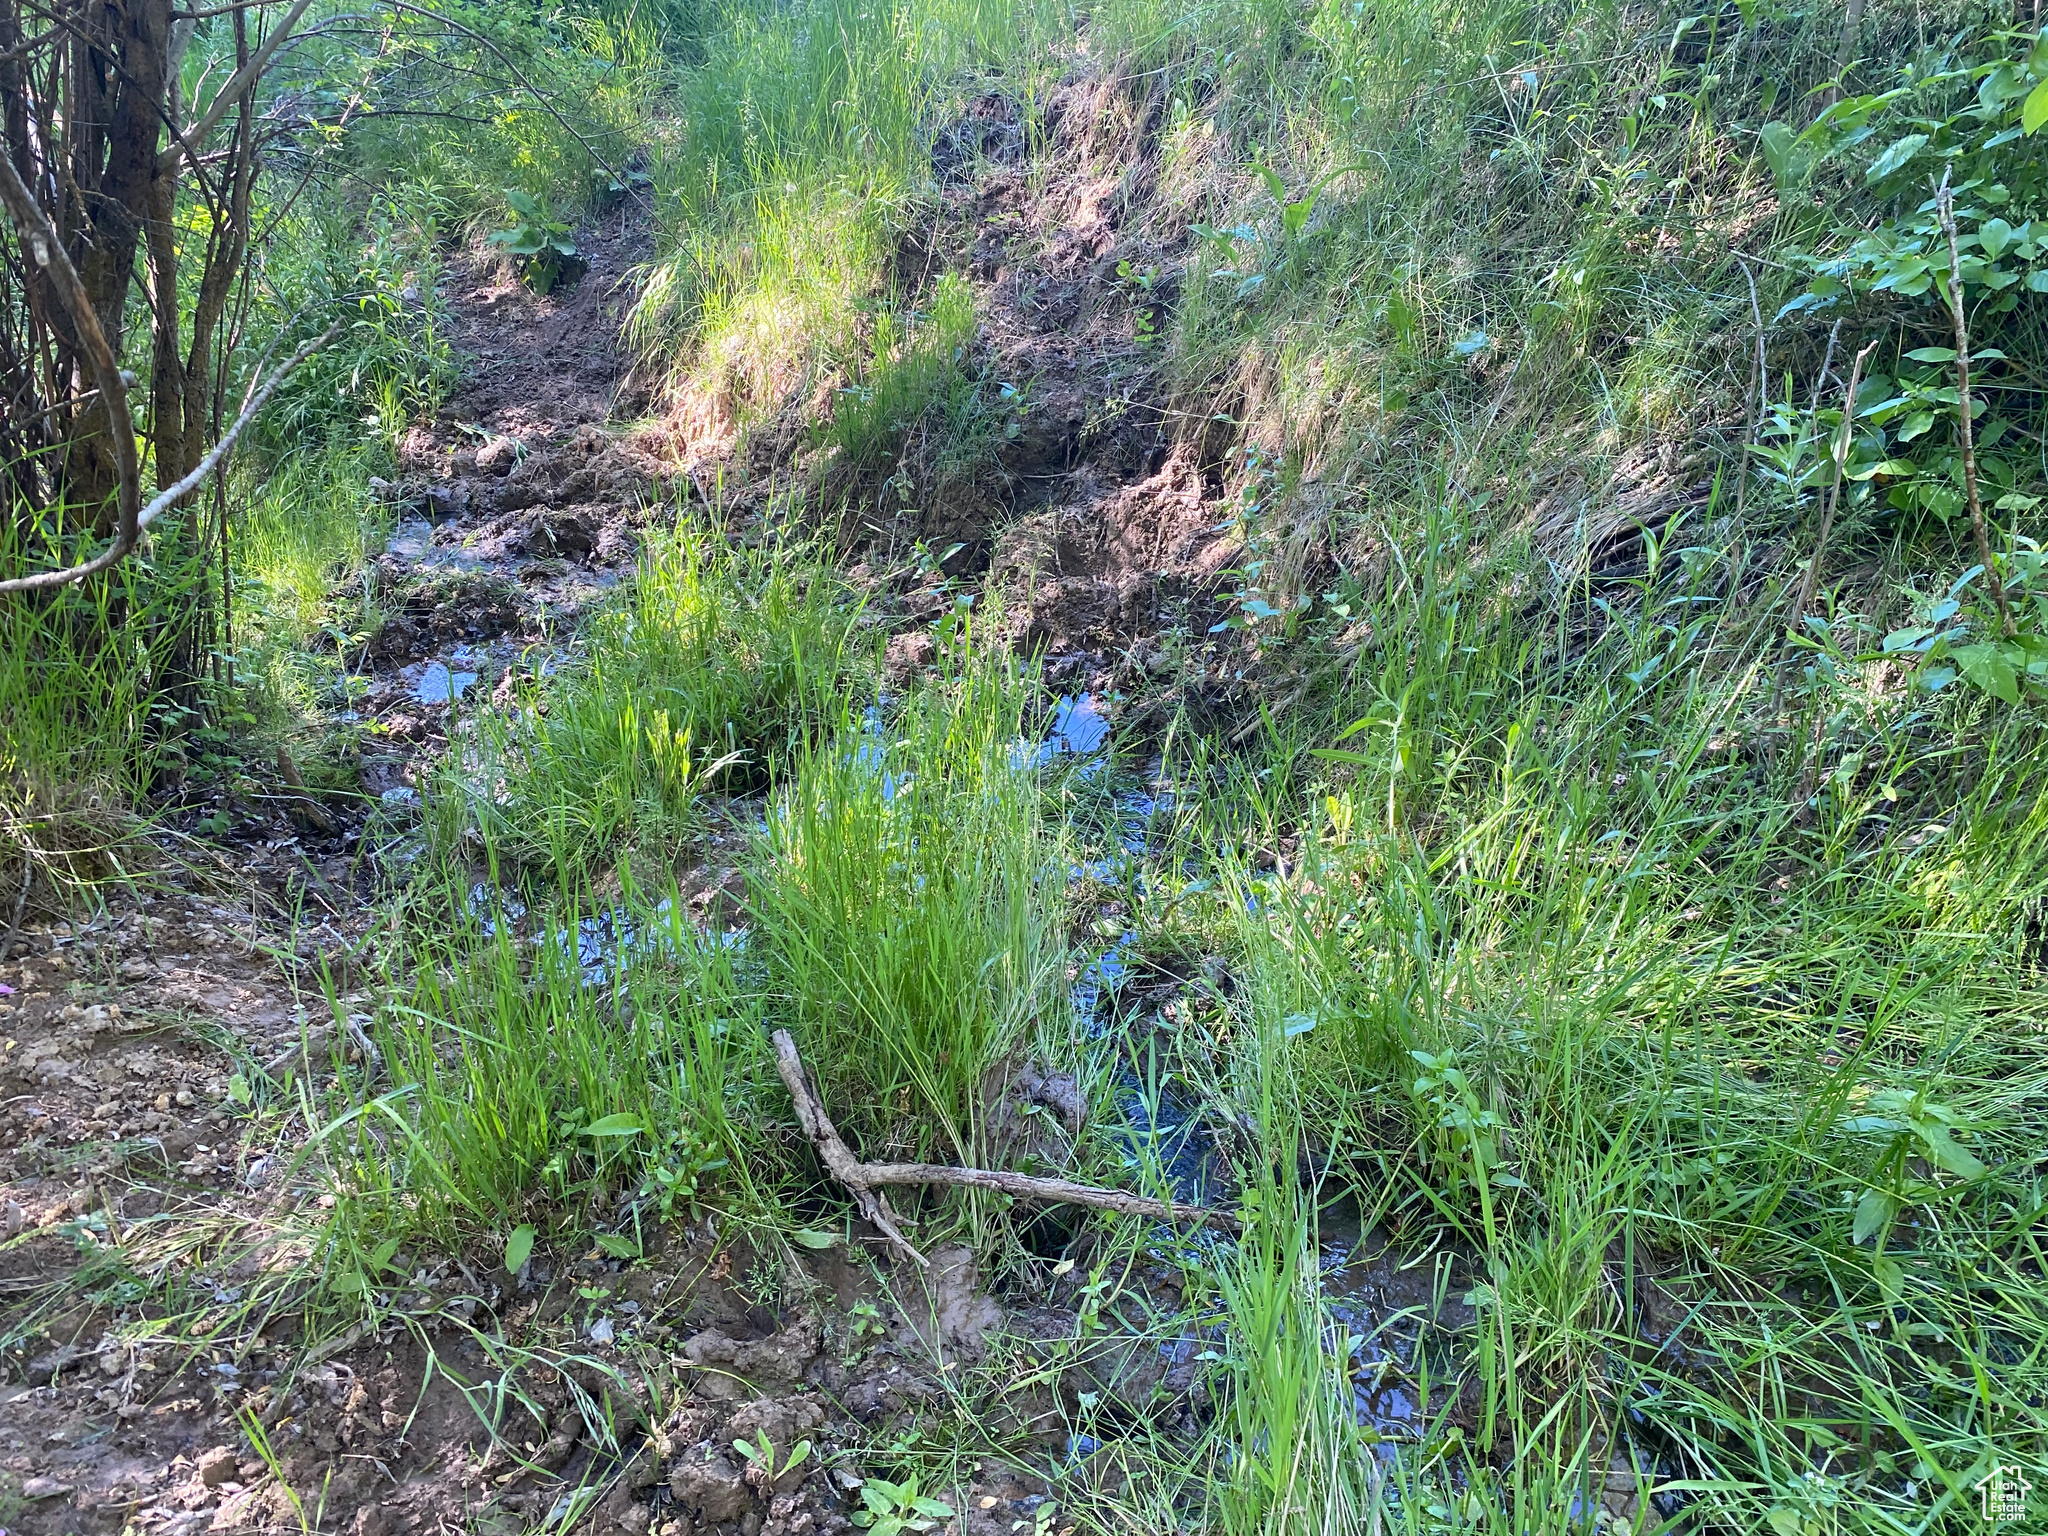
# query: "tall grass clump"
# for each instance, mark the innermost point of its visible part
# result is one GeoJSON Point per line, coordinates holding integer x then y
{"type": "Point", "coordinates": [716, 667]}
{"type": "Point", "coordinates": [1711, 1057]}
{"type": "Point", "coordinates": [590, 1072]}
{"type": "Point", "coordinates": [99, 683]}
{"type": "Point", "coordinates": [803, 155]}
{"type": "Point", "coordinates": [917, 367]}
{"type": "Point", "coordinates": [902, 898]}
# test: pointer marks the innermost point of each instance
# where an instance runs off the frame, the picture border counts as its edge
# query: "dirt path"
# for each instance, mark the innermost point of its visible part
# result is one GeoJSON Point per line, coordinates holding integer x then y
{"type": "Point", "coordinates": [157, 1225]}
{"type": "Point", "coordinates": [152, 1053]}
{"type": "Point", "coordinates": [517, 508]}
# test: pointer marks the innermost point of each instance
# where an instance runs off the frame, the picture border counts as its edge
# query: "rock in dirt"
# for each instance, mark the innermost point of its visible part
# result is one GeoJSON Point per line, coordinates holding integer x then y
{"type": "Point", "coordinates": [907, 653]}
{"type": "Point", "coordinates": [707, 1484]}
{"type": "Point", "coordinates": [1059, 1092]}
{"type": "Point", "coordinates": [498, 457]}
{"type": "Point", "coordinates": [780, 1358]}
{"type": "Point", "coordinates": [216, 1466]}
{"type": "Point", "coordinates": [43, 1369]}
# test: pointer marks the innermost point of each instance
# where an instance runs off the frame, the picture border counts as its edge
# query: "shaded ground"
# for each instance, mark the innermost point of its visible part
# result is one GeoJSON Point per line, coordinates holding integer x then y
{"type": "Point", "coordinates": [158, 1371]}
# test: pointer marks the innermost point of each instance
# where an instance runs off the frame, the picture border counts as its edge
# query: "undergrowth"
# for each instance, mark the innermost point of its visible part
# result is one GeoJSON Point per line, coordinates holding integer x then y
{"type": "Point", "coordinates": [715, 670]}
{"type": "Point", "coordinates": [1632, 913]}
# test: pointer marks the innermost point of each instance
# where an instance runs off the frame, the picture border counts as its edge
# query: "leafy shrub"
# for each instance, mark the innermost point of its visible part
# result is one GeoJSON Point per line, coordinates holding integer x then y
{"type": "Point", "coordinates": [539, 242]}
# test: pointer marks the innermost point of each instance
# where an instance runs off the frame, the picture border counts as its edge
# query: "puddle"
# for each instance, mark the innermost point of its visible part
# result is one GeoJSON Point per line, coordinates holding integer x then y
{"type": "Point", "coordinates": [1402, 1315]}
{"type": "Point", "coordinates": [1162, 1131]}
{"type": "Point", "coordinates": [603, 942]}
{"type": "Point", "coordinates": [873, 751]}
{"type": "Point", "coordinates": [436, 682]}
{"type": "Point", "coordinates": [412, 541]}
{"type": "Point", "coordinates": [1080, 729]}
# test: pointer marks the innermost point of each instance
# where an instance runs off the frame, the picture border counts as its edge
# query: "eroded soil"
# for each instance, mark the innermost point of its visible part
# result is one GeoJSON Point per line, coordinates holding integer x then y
{"type": "Point", "coordinates": [160, 1374]}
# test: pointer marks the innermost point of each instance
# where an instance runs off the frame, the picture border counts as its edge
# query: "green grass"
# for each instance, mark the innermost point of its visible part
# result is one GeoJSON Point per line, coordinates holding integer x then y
{"type": "Point", "coordinates": [1571, 974]}
{"type": "Point", "coordinates": [918, 371]}
{"type": "Point", "coordinates": [95, 686]}
{"type": "Point", "coordinates": [803, 157]}
{"type": "Point", "coordinates": [713, 669]}
{"type": "Point", "coordinates": [1684, 1005]}
{"type": "Point", "coordinates": [903, 914]}
{"type": "Point", "coordinates": [514, 1094]}
{"type": "Point", "coordinates": [896, 920]}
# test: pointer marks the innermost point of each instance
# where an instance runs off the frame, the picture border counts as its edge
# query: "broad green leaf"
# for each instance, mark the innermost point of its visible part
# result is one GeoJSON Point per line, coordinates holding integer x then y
{"type": "Point", "coordinates": [1785, 1520]}
{"type": "Point", "coordinates": [1780, 141]}
{"type": "Point", "coordinates": [1994, 235]}
{"type": "Point", "coordinates": [1895, 155]}
{"type": "Point", "coordinates": [624, 1123]}
{"type": "Point", "coordinates": [812, 1239]}
{"type": "Point", "coordinates": [1932, 354]}
{"type": "Point", "coordinates": [2035, 112]}
{"type": "Point", "coordinates": [1874, 1213]}
{"type": "Point", "coordinates": [1948, 1154]}
{"type": "Point", "coordinates": [382, 1257]}
{"type": "Point", "coordinates": [519, 1248]}
{"type": "Point", "coordinates": [1890, 1275]}
{"type": "Point", "coordinates": [618, 1245]}
{"type": "Point", "coordinates": [1865, 1125]}
{"type": "Point", "coordinates": [1991, 669]}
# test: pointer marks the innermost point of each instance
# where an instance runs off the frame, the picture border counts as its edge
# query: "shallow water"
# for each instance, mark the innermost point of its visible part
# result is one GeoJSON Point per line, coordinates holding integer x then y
{"type": "Point", "coordinates": [437, 682]}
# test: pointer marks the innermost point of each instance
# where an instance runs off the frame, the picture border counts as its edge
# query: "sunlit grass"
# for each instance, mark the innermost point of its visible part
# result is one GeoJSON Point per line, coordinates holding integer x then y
{"type": "Point", "coordinates": [714, 670]}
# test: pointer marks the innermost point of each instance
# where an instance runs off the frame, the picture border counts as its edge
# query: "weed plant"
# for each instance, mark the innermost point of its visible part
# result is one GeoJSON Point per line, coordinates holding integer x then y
{"type": "Point", "coordinates": [717, 666]}
{"type": "Point", "coordinates": [901, 911]}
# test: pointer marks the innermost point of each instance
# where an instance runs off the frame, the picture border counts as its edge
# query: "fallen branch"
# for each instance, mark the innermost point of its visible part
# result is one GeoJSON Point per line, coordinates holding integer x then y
{"type": "Point", "coordinates": [865, 1179]}
{"type": "Point", "coordinates": [302, 798]}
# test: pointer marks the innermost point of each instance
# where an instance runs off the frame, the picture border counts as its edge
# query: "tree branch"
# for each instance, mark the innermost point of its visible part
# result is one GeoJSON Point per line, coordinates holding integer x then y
{"type": "Point", "coordinates": [228, 94]}
{"type": "Point", "coordinates": [40, 241]}
{"type": "Point", "coordinates": [864, 1179]}
{"type": "Point", "coordinates": [171, 495]}
{"type": "Point", "coordinates": [505, 59]}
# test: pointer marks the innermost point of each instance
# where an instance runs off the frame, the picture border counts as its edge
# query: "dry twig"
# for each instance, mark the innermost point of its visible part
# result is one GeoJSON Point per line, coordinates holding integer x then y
{"type": "Point", "coordinates": [865, 1179]}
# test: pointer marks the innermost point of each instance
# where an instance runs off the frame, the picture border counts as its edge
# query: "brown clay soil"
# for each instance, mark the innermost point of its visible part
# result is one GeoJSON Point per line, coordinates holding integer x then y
{"type": "Point", "coordinates": [161, 1373]}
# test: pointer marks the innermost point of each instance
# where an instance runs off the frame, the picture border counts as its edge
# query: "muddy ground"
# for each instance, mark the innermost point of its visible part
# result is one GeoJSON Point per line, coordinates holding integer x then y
{"type": "Point", "coordinates": [161, 1375]}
